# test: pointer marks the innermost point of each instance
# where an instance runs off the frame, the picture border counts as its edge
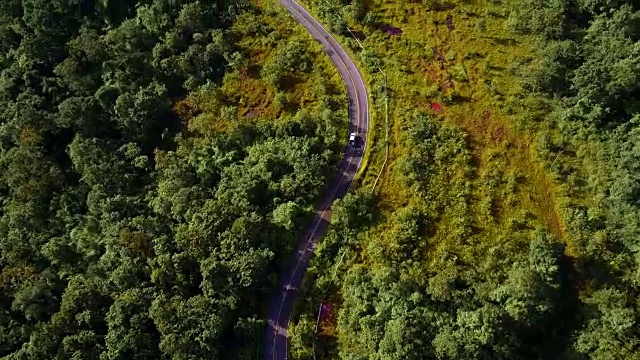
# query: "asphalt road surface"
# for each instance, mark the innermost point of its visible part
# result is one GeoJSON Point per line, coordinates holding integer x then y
{"type": "Point", "coordinates": [281, 305]}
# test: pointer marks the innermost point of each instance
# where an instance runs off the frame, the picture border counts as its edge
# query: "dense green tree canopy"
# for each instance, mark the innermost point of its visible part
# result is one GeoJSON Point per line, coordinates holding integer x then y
{"type": "Point", "coordinates": [125, 230]}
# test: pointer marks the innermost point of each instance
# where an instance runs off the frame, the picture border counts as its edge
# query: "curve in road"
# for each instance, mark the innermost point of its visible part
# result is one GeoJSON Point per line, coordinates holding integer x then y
{"type": "Point", "coordinates": [281, 306]}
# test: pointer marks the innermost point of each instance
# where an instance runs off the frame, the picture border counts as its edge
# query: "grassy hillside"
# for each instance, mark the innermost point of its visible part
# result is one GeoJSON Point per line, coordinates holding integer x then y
{"type": "Point", "coordinates": [481, 240]}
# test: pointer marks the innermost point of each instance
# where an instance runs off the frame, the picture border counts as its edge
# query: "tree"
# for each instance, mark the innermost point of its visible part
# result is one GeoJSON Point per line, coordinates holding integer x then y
{"type": "Point", "coordinates": [609, 331]}
{"type": "Point", "coordinates": [532, 291]}
{"type": "Point", "coordinates": [353, 211]}
{"type": "Point", "coordinates": [302, 335]}
{"type": "Point", "coordinates": [474, 334]}
{"type": "Point", "coordinates": [131, 331]}
{"type": "Point", "coordinates": [138, 114]}
{"type": "Point", "coordinates": [546, 18]}
{"type": "Point", "coordinates": [610, 73]}
{"type": "Point", "coordinates": [289, 58]}
{"type": "Point", "coordinates": [286, 215]}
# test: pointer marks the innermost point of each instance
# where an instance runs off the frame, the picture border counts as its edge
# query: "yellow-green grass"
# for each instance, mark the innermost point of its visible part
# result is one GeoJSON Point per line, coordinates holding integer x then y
{"type": "Point", "coordinates": [481, 113]}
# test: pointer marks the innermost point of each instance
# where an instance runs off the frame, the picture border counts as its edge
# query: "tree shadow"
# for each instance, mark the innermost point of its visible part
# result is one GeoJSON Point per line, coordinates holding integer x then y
{"type": "Point", "coordinates": [390, 30]}
{"type": "Point", "coordinates": [253, 71]}
{"type": "Point", "coordinates": [287, 83]}
{"type": "Point", "coordinates": [359, 35]}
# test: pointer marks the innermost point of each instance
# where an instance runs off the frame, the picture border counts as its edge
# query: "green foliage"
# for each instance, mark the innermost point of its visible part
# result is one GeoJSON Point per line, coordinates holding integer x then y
{"type": "Point", "coordinates": [546, 18]}
{"type": "Point", "coordinates": [352, 212]}
{"type": "Point", "coordinates": [610, 73]}
{"type": "Point", "coordinates": [531, 291]}
{"type": "Point", "coordinates": [128, 229]}
{"type": "Point", "coordinates": [458, 73]}
{"type": "Point", "coordinates": [301, 338]}
{"type": "Point", "coordinates": [349, 216]}
{"type": "Point", "coordinates": [481, 25]}
{"type": "Point", "coordinates": [371, 60]}
{"type": "Point", "coordinates": [331, 16]}
{"type": "Point", "coordinates": [548, 73]}
{"type": "Point", "coordinates": [432, 4]}
{"type": "Point", "coordinates": [290, 57]}
{"type": "Point", "coordinates": [609, 327]}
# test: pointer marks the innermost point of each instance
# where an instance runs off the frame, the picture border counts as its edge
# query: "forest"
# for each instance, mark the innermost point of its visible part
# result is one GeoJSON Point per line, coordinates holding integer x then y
{"type": "Point", "coordinates": [159, 159]}
{"type": "Point", "coordinates": [148, 200]}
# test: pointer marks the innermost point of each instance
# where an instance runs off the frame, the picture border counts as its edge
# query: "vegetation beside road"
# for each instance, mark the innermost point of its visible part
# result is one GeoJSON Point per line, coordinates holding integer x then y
{"type": "Point", "coordinates": [507, 224]}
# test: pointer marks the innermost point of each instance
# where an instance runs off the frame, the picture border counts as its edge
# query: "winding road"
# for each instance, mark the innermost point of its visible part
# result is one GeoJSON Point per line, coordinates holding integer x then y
{"type": "Point", "coordinates": [281, 305]}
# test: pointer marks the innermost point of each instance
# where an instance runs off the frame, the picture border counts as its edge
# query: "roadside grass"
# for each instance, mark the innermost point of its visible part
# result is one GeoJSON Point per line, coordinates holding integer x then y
{"type": "Point", "coordinates": [472, 76]}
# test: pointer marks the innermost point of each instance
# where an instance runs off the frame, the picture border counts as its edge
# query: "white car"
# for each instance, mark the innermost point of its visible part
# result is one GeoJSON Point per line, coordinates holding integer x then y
{"type": "Point", "coordinates": [352, 138]}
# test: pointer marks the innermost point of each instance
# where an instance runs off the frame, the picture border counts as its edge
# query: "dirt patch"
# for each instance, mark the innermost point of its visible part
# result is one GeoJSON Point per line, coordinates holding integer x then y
{"type": "Point", "coordinates": [437, 54]}
{"type": "Point", "coordinates": [329, 316]}
{"type": "Point", "coordinates": [288, 82]}
{"type": "Point", "coordinates": [440, 58]}
{"type": "Point", "coordinates": [432, 74]}
{"type": "Point", "coordinates": [498, 134]}
{"type": "Point", "coordinates": [554, 221]}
